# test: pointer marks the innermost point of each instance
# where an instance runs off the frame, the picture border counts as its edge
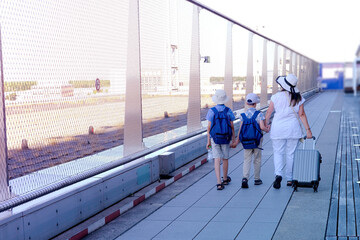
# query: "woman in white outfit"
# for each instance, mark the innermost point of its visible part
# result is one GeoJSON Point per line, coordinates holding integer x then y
{"type": "Point", "coordinates": [285, 128]}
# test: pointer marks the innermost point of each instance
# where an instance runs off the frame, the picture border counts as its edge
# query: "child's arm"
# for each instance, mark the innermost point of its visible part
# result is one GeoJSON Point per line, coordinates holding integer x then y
{"type": "Point", "coordinates": [236, 142]}
{"type": "Point", "coordinates": [263, 127]}
{"type": "Point", "coordinates": [208, 145]}
{"type": "Point", "coordinates": [233, 134]}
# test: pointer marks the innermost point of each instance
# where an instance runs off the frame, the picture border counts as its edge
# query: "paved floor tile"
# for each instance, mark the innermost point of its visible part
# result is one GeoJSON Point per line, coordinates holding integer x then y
{"type": "Point", "coordinates": [242, 202]}
{"type": "Point", "coordinates": [144, 230]}
{"type": "Point", "coordinates": [180, 230]}
{"type": "Point", "coordinates": [266, 215]}
{"type": "Point", "coordinates": [239, 215]}
{"type": "Point", "coordinates": [198, 214]}
{"type": "Point", "coordinates": [257, 231]}
{"type": "Point", "coordinates": [166, 213]}
{"type": "Point", "coordinates": [213, 201]}
{"type": "Point", "coordinates": [219, 230]}
{"type": "Point", "coordinates": [182, 201]}
{"type": "Point", "coordinates": [197, 190]}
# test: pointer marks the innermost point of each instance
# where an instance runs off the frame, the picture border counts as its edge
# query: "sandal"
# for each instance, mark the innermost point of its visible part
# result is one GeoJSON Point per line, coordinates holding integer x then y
{"type": "Point", "coordinates": [244, 183]}
{"type": "Point", "coordinates": [220, 186]}
{"type": "Point", "coordinates": [226, 182]}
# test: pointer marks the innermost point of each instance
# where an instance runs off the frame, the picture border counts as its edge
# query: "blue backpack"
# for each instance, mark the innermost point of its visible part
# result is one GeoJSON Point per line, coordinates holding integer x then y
{"type": "Point", "coordinates": [250, 133]}
{"type": "Point", "coordinates": [220, 129]}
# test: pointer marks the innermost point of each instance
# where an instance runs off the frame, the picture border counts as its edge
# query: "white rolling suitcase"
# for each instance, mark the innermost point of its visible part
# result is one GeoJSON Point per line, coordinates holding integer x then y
{"type": "Point", "coordinates": [306, 167]}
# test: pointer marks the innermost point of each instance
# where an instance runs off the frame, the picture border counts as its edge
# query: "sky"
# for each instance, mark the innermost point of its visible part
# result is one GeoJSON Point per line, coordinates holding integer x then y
{"type": "Point", "coordinates": [88, 41]}
{"type": "Point", "coordinates": [323, 30]}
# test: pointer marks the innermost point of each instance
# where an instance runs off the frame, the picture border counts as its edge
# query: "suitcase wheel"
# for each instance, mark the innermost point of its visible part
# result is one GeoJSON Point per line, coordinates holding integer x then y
{"type": "Point", "coordinates": [316, 185]}
{"type": "Point", "coordinates": [295, 185]}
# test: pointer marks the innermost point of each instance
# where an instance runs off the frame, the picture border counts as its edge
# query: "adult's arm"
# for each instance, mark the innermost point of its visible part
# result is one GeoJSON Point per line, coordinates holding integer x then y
{"type": "Point", "coordinates": [269, 111]}
{"type": "Point", "coordinates": [263, 126]}
{"type": "Point", "coordinates": [304, 120]}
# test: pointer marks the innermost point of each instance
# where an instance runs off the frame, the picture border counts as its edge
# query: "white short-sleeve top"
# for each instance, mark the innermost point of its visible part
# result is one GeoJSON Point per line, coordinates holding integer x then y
{"type": "Point", "coordinates": [285, 124]}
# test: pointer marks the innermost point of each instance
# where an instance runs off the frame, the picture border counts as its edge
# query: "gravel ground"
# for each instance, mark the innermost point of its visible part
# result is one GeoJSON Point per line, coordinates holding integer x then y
{"type": "Point", "coordinates": [64, 149]}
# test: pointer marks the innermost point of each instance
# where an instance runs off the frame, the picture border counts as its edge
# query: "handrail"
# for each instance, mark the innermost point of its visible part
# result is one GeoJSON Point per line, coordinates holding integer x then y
{"type": "Point", "coordinates": [243, 26]}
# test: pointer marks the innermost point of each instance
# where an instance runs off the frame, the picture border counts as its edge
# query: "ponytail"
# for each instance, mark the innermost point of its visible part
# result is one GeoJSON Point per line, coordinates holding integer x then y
{"type": "Point", "coordinates": [295, 98]}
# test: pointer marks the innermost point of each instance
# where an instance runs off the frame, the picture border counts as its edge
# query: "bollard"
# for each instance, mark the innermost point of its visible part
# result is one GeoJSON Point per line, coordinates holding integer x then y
{"type": "Point", "coordinates": [91, 130]}
{"type": "Point", "coordinates": [24, 144]}
{"type": "Point", "coordinates": [166, 163]}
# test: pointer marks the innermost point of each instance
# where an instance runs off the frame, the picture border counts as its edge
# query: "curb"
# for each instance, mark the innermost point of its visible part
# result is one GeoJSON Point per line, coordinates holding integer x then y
{"type": "Point", "coordinates": [101, 222]}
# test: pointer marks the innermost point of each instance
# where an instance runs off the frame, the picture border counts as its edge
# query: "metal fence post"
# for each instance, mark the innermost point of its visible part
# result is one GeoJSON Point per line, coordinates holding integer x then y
{"type": "Point", "coordinates": [133, 135]}
{"type": "Point", "coordinates": [264, 80]}
{"type": "Point", "coordinates": [4, 180]}
{"type": "Point", "coordinates": [308, 71]}
{"type": "Point", "coordinates": [284, 62]}
{"type": "Point", "coordinates": [290, 63]}
{"type": "Point", "coordinates": [275, 71]}
{"type": "Point", "coordinates": [228, 80]}
{"type": "Point", "coordinates": [306, 74]}
{"type": "Point", "coordinates": [296, 65]}
{"type": "Point", "coordinates": [250, 63]}
{"type": "Point", "coordinates": [314, 74]}
{"type": "Point", "coordinates": [311, 85]}
{"type": "Point", "coordinates": [355, 77]}
{"type": "Point", "coordinates": [300, 77]}
{"type": "Point", "coordinates": [194, 104]}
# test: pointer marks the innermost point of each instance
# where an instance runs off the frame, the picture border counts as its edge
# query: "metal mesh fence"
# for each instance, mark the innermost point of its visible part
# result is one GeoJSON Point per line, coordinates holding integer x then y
{"type": "Point", "coordinates": [64, 74]}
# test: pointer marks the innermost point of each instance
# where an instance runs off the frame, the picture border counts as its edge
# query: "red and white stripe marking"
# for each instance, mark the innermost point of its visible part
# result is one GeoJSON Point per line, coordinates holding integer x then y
{"type": "Point", "coordinates": [101, 222]}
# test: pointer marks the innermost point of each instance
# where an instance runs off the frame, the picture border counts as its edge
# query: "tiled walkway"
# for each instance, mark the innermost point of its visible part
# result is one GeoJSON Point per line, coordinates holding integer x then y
{"type": "Point", "coordinates": [192, 208]}
{"type": "Point", "coordinates": [202, 212]}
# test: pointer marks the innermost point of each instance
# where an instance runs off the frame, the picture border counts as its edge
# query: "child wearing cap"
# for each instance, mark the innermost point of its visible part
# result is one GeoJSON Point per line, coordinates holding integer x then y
{"type": "Point", "coordinates": [255, 153]}
{"type": "Point", "coordinates": [220, 151]}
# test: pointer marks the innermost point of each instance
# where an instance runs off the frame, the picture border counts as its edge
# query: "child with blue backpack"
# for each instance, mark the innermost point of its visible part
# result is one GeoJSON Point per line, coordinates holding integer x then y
{"type": "Point", "coordinates": [250, 135]}
{"type": "Point", "coordinates": [220, 132]}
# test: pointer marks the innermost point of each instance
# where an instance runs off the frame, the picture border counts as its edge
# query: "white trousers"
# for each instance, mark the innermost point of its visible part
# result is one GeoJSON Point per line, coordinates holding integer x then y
{"type": "Point", "coordinates": [284, 147]}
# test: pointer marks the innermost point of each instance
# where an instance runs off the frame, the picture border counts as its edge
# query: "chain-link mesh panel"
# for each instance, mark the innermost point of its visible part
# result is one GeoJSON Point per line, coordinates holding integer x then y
{"type": "Point", "coordinates": [64, 73]}
{"type": "Point", "coordinates": [213, 33]}
{"type": "Point", "coordinates": [240, 51]}
{"type": "Point", "coordinates": [165, 68]}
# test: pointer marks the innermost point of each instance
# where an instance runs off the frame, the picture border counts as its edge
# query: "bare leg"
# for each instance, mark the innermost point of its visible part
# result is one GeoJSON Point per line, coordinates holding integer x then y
{"type": "Point", "coordinates": [217, 170]}
{"type": "Point", "coordinates": [225, 168]}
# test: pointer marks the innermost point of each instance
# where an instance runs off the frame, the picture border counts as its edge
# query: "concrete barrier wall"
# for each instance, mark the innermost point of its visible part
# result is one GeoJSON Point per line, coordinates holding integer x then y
{"type": "Point", "coordinates": [56, 212]}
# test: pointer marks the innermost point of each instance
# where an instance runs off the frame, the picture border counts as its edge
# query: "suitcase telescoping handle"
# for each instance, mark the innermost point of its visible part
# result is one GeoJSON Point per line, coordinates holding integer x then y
{"type": "Point", "coordinates": [305, 138]}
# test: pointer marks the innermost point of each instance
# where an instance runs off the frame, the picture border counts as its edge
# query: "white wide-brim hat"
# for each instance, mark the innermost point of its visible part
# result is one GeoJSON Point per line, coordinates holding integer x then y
{"type": "Point", "coordinates": [220, 97]}
{"type": "Point", "coordinates": [288, 83]}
